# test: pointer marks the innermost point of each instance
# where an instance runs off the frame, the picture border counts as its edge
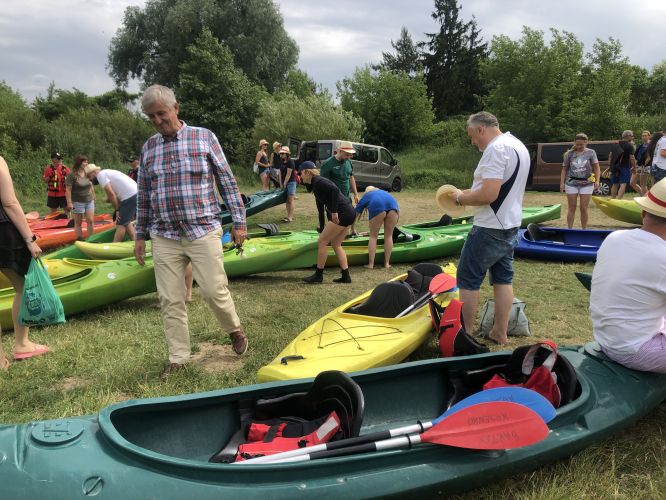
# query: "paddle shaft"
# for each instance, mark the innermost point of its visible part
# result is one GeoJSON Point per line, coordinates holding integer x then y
{"type": "Point", "coordinates": [419, 303]}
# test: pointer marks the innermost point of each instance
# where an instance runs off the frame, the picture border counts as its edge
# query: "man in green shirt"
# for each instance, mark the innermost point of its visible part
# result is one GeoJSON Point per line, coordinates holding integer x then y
{"type": "Point", "coordinates": [338, 168]}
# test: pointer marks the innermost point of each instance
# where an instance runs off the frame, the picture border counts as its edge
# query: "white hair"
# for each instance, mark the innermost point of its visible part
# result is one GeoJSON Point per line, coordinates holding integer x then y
{"type": "Point", "coordinates": [483, 118]}
{"type": "Point", "coordinates": [156, 93]}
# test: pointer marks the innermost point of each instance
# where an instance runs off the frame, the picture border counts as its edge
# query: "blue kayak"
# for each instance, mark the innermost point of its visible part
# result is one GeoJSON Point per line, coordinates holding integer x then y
{"type": "Point", "coordinates": [560, 245]}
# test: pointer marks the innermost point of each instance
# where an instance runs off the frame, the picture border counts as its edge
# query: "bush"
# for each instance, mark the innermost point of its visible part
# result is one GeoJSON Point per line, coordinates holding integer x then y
{"type": "Point", "coordinates": [430, 167]}
{"type": "Point", "coordinates": [452, 132]}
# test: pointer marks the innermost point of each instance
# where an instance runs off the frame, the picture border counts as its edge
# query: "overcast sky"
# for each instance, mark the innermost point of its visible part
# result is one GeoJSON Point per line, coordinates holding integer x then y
{"type": "Point", "coordinates": [66, 41]}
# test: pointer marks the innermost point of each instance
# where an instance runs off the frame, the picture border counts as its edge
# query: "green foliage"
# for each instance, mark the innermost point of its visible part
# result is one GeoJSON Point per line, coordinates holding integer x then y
{"type": "Point", "coordinates": [648, 89]}
{"type": "Point", "coordinates": [406, 57]}
{"type": "Point", "coordinates": [152, 42]}
{"type": "Point", "coordinates": [213, 93]}
{"type": "Point", "coordinates": [21, 129]}
{"type": "Point", "coordinates": [428, 167]}
{"type": "Point", "coordinates": [286, 115]}
{"type": "Point", "coordinates": [452, 62]}
{"type": "Point", "coordinates": [299, 83]}
{"type": "Point", "coordinates": [451, 132]}
{"type": "Point", "coordinates": [396, 108]}
{"type": "Point", "coordinates": [58, 102]}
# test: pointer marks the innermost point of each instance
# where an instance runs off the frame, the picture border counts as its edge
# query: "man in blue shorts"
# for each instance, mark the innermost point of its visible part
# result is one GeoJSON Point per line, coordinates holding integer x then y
{"type": "Point", "coordinates": [622, 161]}
{"type": "Point", "coordinates": [497, 195]}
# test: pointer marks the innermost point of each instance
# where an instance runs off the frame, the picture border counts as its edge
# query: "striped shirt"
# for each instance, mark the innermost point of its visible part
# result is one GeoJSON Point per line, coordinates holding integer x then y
{"type": "Point", "coordinates": [176, 194]}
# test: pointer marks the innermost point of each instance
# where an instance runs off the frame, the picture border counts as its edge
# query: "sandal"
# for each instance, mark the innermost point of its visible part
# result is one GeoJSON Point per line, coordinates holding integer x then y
{"type": "Point", "coordinates": [286, 219]}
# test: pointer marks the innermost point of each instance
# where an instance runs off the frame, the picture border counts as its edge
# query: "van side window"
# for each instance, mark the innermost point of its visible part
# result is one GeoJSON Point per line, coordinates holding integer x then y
{"type": "Point", "coordinates": [602, 150]}
{"type": "Point", "coordinates": [386, 157]}
{"type": "Point", "coordinates": [310, 153]}
{"type": "Point", "coordinates": [371, 155]}
{"type": "Point", "coordinates": [554, 153]}
{"type": "Point", "coordinates": [325, 150]}
{"type": "Point", "coordinates": [360, 151]}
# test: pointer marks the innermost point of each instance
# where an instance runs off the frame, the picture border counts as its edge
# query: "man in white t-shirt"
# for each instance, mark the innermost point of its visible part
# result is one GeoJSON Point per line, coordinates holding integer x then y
{"type": "Point", "coordinates": [628, 298]}
{"type": "Point", "coordinates": [497, 193]}
{"type": "Point", "coordinates": [121, 193]}
{"type": "Point", "coordinates": [659, 159]}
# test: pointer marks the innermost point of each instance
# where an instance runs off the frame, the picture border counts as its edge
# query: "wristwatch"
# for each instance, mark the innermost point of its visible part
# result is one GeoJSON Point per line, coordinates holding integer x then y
{"type": "Point", "coordinates": [31, 240]}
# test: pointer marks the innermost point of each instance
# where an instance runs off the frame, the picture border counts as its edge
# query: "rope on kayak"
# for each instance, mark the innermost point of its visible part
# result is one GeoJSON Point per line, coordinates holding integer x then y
{"type": "Point", "coordinates": [351, 336]}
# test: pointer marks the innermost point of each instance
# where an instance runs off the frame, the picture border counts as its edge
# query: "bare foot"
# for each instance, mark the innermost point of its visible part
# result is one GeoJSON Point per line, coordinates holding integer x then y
{"type": "Point", "coordinates": [188, 299]}
{"type": "Point", "coordinates": [387, 266]}
{"type": "Point", "coordinates": [4, 364]}
{"type": "Point", "coordinates": [369, 266]}
{"type": "Point", "coordinates": [498, 339]}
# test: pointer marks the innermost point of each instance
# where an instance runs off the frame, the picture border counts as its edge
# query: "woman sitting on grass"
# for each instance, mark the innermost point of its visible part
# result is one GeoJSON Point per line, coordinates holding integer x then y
{"type": "Point", "coordinates": [341, 215]}
{"type": "Point", "coordinates": [383, 210]}
{"type": "Point", "coordinates": [17, 248]}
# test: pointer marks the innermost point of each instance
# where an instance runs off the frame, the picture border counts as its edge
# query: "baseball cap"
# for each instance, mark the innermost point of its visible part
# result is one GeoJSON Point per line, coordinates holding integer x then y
{"type": "Point", "coordinates": [56, 155]}
{"type": "Point", "coordinates": [306, 165]}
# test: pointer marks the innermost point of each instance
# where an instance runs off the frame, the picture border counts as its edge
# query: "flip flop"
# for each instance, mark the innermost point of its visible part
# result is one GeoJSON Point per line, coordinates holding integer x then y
{"type": "Point", "coordinates": [39, 350]}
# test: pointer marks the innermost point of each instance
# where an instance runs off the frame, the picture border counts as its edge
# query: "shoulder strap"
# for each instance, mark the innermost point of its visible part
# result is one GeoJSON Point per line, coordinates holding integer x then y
{"type": "Point", "coordinates": [506, 186]}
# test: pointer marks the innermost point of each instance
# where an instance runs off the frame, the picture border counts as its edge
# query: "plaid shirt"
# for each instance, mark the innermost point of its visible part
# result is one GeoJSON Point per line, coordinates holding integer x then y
{"type": "Point", "coordinates": [176, 196]}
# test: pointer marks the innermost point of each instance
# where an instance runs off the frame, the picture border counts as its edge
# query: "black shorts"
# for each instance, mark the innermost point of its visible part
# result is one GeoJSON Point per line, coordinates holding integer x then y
{"type": "Point", "coordinates": [14, 253]}
{"type": "Point", "coordinates": [56, 201]}
{"type": "Point", "coordinates": [346, 217]}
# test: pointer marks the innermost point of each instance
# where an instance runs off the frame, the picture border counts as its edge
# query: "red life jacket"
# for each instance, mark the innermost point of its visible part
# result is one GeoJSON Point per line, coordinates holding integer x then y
{"type": "Point", "coordinates": [56, 180]}
{"type": "Point", "coordinates": [522, 372]}
{"type": "Point", "coordinates": [453, 339]}
{"type": "Point", "coordinates": [266, 439]}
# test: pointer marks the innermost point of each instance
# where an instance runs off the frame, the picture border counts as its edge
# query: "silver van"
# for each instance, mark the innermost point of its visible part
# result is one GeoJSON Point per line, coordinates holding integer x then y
{"type": "Point", "coordinates": [373, 165]}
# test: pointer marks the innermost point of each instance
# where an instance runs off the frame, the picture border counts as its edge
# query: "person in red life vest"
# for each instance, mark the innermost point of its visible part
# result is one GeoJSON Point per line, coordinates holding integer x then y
{"type": "Point", "coordinates": [133, 171]}
{"type": "Point", "coordinates": [54, 177]}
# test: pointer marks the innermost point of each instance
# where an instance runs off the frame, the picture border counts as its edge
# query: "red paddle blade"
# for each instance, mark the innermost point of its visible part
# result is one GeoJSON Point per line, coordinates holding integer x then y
{"type": "Point", "coordinates": [442, 283]}
{"type": "Point", "coordinates": [497, 425]}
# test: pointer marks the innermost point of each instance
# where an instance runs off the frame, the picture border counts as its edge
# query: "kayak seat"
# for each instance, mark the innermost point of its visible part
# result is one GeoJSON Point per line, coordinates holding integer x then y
{"type": "Point", "coordinates": [420, 276]}
{"type": "Point", "coordinates": [567, 380]}
{"type": "Point", "coordinates": [535, 233]}
{"type": "Point", "coordinates": [400, 236]}
{"type": "Point", "coordinates": [271, 228]}
{"type": "Point", "coordinates": [331, 390]}
{"type": "Point", "coordinates": [387, 300]}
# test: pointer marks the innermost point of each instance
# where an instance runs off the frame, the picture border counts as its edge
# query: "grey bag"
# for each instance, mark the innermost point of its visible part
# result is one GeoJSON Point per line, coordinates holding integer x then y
{"type": "Point", "coordinates": [519, 325]}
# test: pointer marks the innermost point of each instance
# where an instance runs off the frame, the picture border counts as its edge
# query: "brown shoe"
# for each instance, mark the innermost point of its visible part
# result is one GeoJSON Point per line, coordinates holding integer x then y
{"type": "Point", "coordinates": [169, 369]}
{"type": "Point", "coordinates": [238, 341]}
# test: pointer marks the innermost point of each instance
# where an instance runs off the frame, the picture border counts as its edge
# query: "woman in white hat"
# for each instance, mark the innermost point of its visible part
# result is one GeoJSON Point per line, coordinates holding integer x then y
{"type": "Point", "coordinates": [261, 159]}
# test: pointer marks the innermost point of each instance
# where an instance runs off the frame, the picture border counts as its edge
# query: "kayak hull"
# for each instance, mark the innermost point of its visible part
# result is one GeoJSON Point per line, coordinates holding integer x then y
{"type": "Point", "coordinates": [350, 342]}
{"type": "Point", "coordinates": [622, 210]}
{"type": "Point", "coordinates": [94, 285]}
{"type": "Point", "coordinates": [158, 448]}
{"type": "Point", "coordinates": [51, 238]}
{"type": "Point", "coordinates": [565, 245]}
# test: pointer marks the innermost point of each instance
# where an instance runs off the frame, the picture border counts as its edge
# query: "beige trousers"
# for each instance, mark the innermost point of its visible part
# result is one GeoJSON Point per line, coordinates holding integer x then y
{"type": "Point", "coordinates": [170, 258]}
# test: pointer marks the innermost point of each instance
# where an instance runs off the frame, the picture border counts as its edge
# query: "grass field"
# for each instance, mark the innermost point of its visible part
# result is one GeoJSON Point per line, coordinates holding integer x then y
{"type": "Point", "coordinates": [118, 352]}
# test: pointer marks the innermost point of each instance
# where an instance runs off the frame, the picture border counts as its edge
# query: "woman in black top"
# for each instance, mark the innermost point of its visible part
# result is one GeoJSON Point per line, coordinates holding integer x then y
{"type": "Point", "coordinates": [341, 215]}
{"type": "Point", "coordinates": [17, 248]}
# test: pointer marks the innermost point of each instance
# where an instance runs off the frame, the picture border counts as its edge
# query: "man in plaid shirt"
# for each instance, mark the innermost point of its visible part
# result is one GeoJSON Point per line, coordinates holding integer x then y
{"type": "Point", "coordinates": [177, 206]}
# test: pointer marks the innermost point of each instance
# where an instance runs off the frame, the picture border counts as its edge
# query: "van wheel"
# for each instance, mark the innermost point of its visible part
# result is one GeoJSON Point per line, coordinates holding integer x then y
{"type": "Point", "coordinates": [604, 188]}
{"type": "Point", "coordinates": [396, 186]}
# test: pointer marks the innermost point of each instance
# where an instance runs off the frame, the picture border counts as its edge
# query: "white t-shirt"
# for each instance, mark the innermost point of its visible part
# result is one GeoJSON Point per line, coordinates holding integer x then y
{"type": "Point", "coordinates": [628, 298]}
{"type": "Point", "coordinates": [122, 184]}
{"type": "Point", "coordinates": [499, 161]}
{"type": "Point", "coordinates": [658, 160]}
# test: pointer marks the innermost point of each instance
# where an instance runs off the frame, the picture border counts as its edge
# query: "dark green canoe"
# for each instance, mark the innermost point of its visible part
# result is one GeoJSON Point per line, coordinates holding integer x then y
{"type": "Point", "coordinates": [159, 448]}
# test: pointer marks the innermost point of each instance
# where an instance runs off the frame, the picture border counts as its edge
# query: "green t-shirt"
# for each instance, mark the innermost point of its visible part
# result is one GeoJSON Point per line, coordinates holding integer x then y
{"type": "Point", "coordinates": [339, 172]}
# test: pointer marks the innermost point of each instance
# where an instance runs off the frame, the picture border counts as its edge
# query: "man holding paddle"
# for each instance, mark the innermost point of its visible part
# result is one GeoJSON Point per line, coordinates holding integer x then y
{"type": "Point", "coordinates": [497, 195]}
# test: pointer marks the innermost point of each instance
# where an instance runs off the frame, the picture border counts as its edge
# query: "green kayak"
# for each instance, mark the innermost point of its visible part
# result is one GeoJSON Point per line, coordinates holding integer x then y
{"type": "Point", "coordinates": [622, 210]}
{"type": "Point", "coordinates": [95, 285]}
{"type": "Point", "coordinates": [159, 448]}
{"type": "Point", "coordinates": [254, 204]}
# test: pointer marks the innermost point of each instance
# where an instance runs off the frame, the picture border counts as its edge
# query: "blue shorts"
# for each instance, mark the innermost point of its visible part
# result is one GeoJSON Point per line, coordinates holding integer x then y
{"type": "Point", "coordinates": [623, 178]}
{"type": "Point", "coordinates": [83, 207]}
{"type": "Point", "coordinates": [126, 211]}
{"type": "Point", "coordinates": [291, 188]}
{"type": "Point", "coordinates": [658, 173]}
{"type": "Point", "coordinates": [487, 250]}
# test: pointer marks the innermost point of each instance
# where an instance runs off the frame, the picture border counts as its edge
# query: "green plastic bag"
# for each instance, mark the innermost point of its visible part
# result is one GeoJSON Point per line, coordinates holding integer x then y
{"type": "Point", "coordinates": [40, 304]}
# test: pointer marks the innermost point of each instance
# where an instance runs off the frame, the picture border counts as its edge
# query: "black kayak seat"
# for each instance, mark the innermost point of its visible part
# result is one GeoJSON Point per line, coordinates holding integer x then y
{"type": "Point", "coordinates": [535, 233]}
{"type": "Point", "coordinates": [400, 236]}
{"type": "Point", "coordinates": [331, 390]}
{"type": "Point", "coordinates": [420, 276]}
{"type": "Point", "coordinates": [387, 300]}
{"type": "Point", "coordinates": [271, 228]}
{"type": "Point", "coordinates": [428, 269]}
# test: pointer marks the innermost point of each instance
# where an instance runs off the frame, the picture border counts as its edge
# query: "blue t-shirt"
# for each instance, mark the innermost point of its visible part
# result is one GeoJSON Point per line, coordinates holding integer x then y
{"type": "Point", "coordinates": [377, 202]}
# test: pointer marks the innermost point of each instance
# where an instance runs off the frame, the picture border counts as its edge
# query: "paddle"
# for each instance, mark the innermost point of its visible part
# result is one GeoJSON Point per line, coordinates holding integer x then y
{"type": "Point", "coordinates": [531, 399]}
{"type": "Point", "coordinates": [441, 283]}
{"type": "Point", "coordinates": [484, 426]}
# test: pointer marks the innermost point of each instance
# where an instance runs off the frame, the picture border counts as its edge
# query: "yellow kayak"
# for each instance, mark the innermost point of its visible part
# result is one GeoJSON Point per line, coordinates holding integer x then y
{"type": "Point", "coordinates": [57, 268]}
{"type": "Point", "coordinates": [348, 341]}
{"type": "Point", "coordinates": [622, 210]}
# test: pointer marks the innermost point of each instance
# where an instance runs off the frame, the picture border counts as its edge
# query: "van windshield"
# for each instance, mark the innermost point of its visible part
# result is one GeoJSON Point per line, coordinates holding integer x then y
{"type": "Point", "coordinates": [324, 150]}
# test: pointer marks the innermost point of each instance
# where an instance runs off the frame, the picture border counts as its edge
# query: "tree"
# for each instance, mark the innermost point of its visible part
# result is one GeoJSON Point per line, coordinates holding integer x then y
{"type": "Point", "coordinates": [396, 108]}
{"type": "Point", "coordinates": [538, 89]}
{"type": "Point", "coordinates": [152, 42]}
{"type": "Point", "coordinates": [452, 62]}
{"type": "Point", "coordinates": [213, 93]}
{"type": "Point", "coordinates": [285, 115]}
{"type": "Point", "coordinates": [406, 57]}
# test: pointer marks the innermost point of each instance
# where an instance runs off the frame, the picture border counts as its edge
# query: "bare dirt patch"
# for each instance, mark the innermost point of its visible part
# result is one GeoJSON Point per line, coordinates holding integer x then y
{"type": "Point", "coordinates": [71, 383]}
{"type": "Point", "coordinates": [216, 358]}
